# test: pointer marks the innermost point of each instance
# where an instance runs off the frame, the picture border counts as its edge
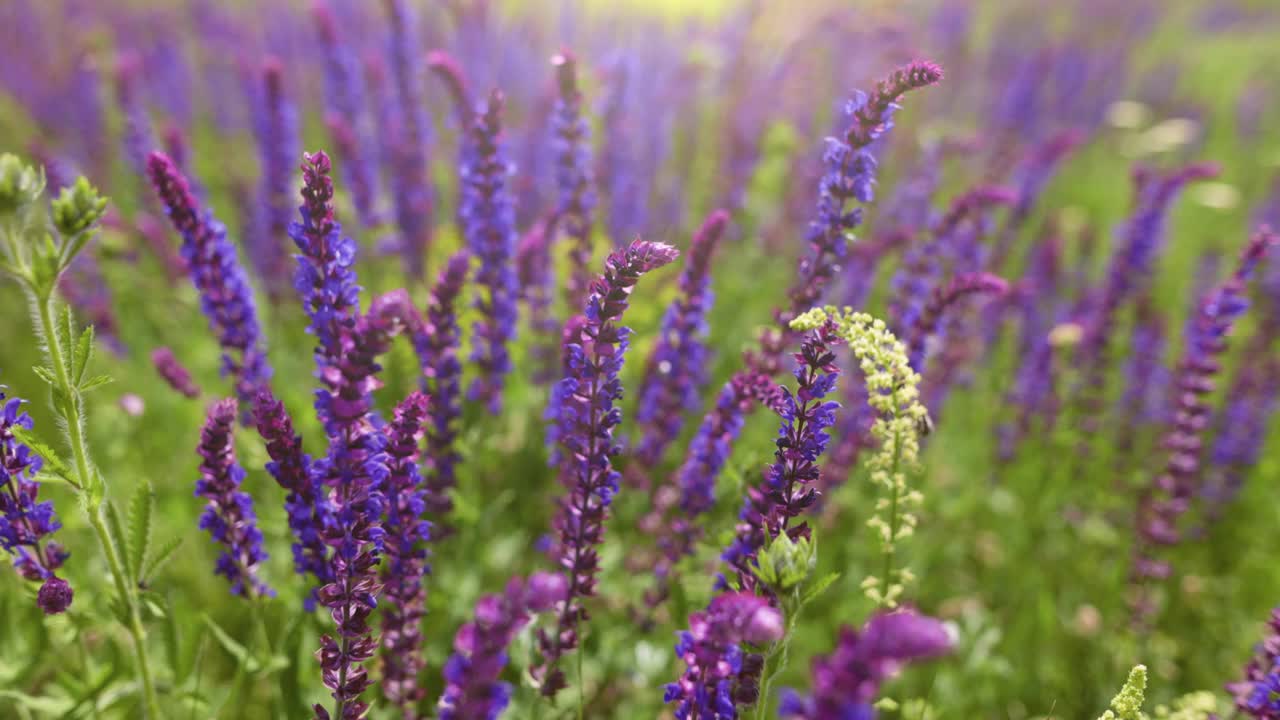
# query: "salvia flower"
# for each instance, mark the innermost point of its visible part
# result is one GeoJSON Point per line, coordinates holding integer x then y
{"type": "Point", "coordinates": [534, 275]}
{"type": "Point", "coordinates": [347, 117]}
{"type": "Point", "coordinates": [173, 373]}
{"type": "Point", "coordinates": [139, 135]}
{"type": "Point", "coordinates": [1253, 694]}
{"type": "Point", "coordinates": [1242, 428]}
{"type": "Point", "coordinates": [436, 342]}
{"type": "Point", "coordinates": [229, 516]}
{"type": "Point", "coordinates": [278, 148]}
{"type": "Point", "coordinates": [587, 414]}
{"type": "Point", "coordinates": [713, 654]}
{"type": "Point", "coordinates": [306, 504]}
{"type": "Point", "coordinates": [676, 371]}
{"type": "Point", "coordinates": [25, 522]}
{"type": "Point", "coordinates": [409, 136]}
{"type": "Point", "coordinates": [942, 298]}
{"type": "Point", "coordinates": [574, 180]}
{"type": "Point", "coordinates": [473, 688]}
{"type": "Point", "coordinates": [405, 547]}
{"type": "Point", "coordinates": [488, 217]}
{"type": "Point", "coordinates": [847, 681]}
{"type": "Point", "coordinates": [789, 486]}
{"type": "Point", "coordinates": [225, 295]}
{"type": "Point", "coordinates": [1163, 504]}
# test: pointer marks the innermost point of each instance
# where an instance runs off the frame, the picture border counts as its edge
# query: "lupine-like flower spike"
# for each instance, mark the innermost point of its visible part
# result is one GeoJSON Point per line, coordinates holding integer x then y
{"type": "Point", "coordinates": [712, 653]}
{"type": "Point", "coordinates": [488, 217]}
{"type": "Point", "coordinates": [413, 202]}
{"type": "Point", "coordinates": [574, 180]}
{"type": "Point", "coordinates": [406, 567]}
{"type": "Point", "coordinates": [1255, 695]}
{"type": "Point", "coordinates": [436, 342]}
{"type": "Point", "coordinates": [1168, 498]}
{"type": "Point", "coordinates": [139, 136]}
{"type": "Point", "coordinates": [534, 275]}
{"type": "Point", "coordinates": [173, 373]}
{"type": "Point", "coordinates": [847, 681]}
{"type": "Point", "coordinates": [347, 117]}
{"type": "Point", "coordinates": [943, 297]}
{"type": "Point", "coordinates": [278, 149]}
{"type": "Point", "coordinates": [676, 371]}
{"type": "Point", "coordinates": [225, 295]}
{"type": "Point", "coordinates": [445, 67]}
{"type": "Point", "coordinates": [849, 175]}
{"type": "Point", "coordinates": [306, 504]}
{"type": "Point", "coordinates": [25, 522]}
{"type": "Point", "coordinates": [586, 415]}
{"type": "Point", "coordinates": [229, 515]}
{"type": "Point", "coordinates": [789, 485]}
{"type": "Point", "coordinates": [473, 688]}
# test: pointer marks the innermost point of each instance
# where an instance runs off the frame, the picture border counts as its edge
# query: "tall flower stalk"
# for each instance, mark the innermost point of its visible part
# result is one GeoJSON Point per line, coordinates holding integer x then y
{"type": "Point", "coordinates": [409, 136]}
{"type": "Point", "coordinates": [574, 181]}
{"type": "Point", "coordinates": [278, 148]}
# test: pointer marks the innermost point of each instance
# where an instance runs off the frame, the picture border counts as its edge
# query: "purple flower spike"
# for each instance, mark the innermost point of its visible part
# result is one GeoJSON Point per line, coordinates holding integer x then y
{"type": "Point", "coordinates": [408, 138]}
{"type": "Point", "coordinates": [25, 522]}
{"type": "Point", "coordinates": [586, 414]}
{"type": "Point", "coordinates": [534, 275]}
{"type": "Point", "coordinates": [712, 652]}
{"type": "Point", "coordinates": [790, 483]}
{"type": "Point", "coordinates": [347, 118]}
{"type": "Point", "coordinates": [472, 685]}
{"type": "Point", "coordinates": [943, 297]}
{"type": "Point", "coordinates": [278, 148]}
{"type": "Point", "coordinates": [229, 515]}
{"type": "Point", "coordinates": [225, 295]}
{"type": "Point", "coordinates": [488, 218]}
{"type": "Point", "coordinates": [173, 372]}
{"type": "Point", "coordinates": [1169, 497]}
{"type": "Point", "coordinates": [436, 341]}
{"type": "Point", "coordinates": [451, 76]}
{"type": "Point", "coordinates": [676, 371]}
{"type": "Point", "coordinates": [572, 146]}
{"type": "Point", "coordinates": [307, 505]}
{"type": "Point", "coordinates": [139, 135]}
{"type": "Point", "coordinates": [846, 682]}
{"type": "Point", "coordinates": [1255, 695]}
{"type": "Point", "coordinates": [405, 547]}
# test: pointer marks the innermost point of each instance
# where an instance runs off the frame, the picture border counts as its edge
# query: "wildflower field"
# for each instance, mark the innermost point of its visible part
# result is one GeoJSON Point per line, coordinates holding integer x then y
{"type": "Point", "coordinates": [820, 360]}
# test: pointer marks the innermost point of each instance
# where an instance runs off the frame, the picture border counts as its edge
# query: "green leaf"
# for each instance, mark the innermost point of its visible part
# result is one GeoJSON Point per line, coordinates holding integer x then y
{"type": "Point", "coordinates": [290, 689]}
{"type": "Point", "coordinates": [228, 643]}
{"type": "Point", "coordinates": [52, 463]}
{"type": "Point", "coordinates": [116, 528]}
{"type": "Point", "coordinates": [84, 353]}
{"type": "Point", "coordinates": [819, 587]}
{"type": "Point", "coordinates": [45, 374]}
{"type": "Point", "coordinates": [42, 705]}
{"type": "Point", "coordinates": [94, 382]}
{"type": "Point", "coordinates": [140, 527]}
{"type": "Point", "coordinates": [158, 560]}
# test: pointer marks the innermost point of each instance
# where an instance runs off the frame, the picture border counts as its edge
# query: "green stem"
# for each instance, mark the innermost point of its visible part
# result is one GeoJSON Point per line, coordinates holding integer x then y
{"type": "Point", "coordinates": [776, 661]}
{"type": "Point", "coordinates": [894, 520]}
{"type": "Point", "coordinates": [260, 620]}
{"type": "Point", "coordinates": [80, 454]}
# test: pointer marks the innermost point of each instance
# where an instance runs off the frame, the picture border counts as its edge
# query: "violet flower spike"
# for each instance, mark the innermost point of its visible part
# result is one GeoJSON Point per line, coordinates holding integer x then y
{"type": "Point", "coordinates": [139, 135]}
{"type": "Point", "coordinates": [447, 69]}
{"type": "Point", "coordinates": [847, 681]}
{"type": "Point", "coordinates": [436, 342]}
{"type": "Point", "coordinates": [225, 295]}
{"type": "Point", "coordinates": [229, 516]}
{"type": "Point", "coordinates": [406, 567]}
{"type": "Point", "coordinates": [577, 195]}
{"type": "Point", "coordinates": [1253, 695]}
{"type": "Point", "coordinates": [472, 686]}
{"type": "Point", "coordinates": [676, 370]}
{"type": "Point", "coordinates": [409, 136]}
{"type": "Point", "coordinates": [943, 297]}
{"type": "Point", "coordinates": [306, 504]}
{"type": "Point", "coordinates": [488, 217]}
{"type": "Point", "coordinates": [278, 148]}
{"type": "Point", "coordinates": [534, 280]}
{"type": "Point", "coordinates": [173, 373]}
{"type": "Point", "coordinates": [25, 522]}
{"type": "Point", "coordinates": [587, 416]}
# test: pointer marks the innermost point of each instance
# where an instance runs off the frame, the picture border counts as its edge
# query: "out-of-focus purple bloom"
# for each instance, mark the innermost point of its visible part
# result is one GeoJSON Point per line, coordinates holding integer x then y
{"type": "Point", "coordinates": [229, 515]}
{"type": "Point", "coordinates": [25, 522]}
{"type": "Point", "coordinates": [473, 688]}
{"type": "Point", "coordinates": [1146, 378]}
{"type": "Point", "coordinates": [139, 136]}
{"type": "Point", "coordinates": [347, 117]}
{"type": "Point", "coordinates": [586, 414]}
{"type": "Point", "coordinates": [278, 143]}
{"type": "Point", "coordinates": [406, 566]}
{"type": "Point", "coordinates": [1243, 421]}
{"type": "Point", "coordinates": [1256, 695]}
{"type": "Point", "coordinates": [847, 681]}
{"type": "Point", "coordinates": [173, 372]}
{"type": "Point", "coordinates": [307, 505]}
{"type": "Point", "coordinates": [488, 217]}
{"type": "Point", "coordinates": [409, 136]}
{"type": "Point", "coordinates": [436, 342]}
{"type": "Point", "coordinates": [534, 276]}
{"type": "Point", "coordinates": [225, 295]}
{"type": "Point", "coordinates": [943, 297]}
{"type": "Point", "coordinates": [676, 371]}
{"type": "Point", "coordinates": [1169, 496]}
{"type": "Point", "coordinates": [712, 653]}
{"type": "Point", "coordinates": [445, 67]}
{"type": "Point", "coordinates": [789, 485]}
{"type": "Point", "coordinates": [574, 180]}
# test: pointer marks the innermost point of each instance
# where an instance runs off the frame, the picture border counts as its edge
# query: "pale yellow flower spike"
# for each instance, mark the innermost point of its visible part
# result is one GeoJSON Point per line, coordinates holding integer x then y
{"type": "Point", "coordinates": [1128, 704]}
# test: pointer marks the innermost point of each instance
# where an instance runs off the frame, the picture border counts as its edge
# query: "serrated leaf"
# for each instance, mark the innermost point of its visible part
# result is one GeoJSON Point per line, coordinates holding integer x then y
{"type": "Point", "coordinates": [45, 374]}
{"type": "Point", "coordinates": [140, 507]}
{"type": "Point", "coordinates": [162, 556]}
{"type": "Point", "coordinates": [52, 463]}
{"type": "Point", "coordinates": [820, 587]}
{"type": "Point", "coordinates": [95, 382]}
{"type": "Point", "coordinates": [84, 354]}
{"type": "Point", "coordinates": [116, 528]}
{"type": "Point", "coordinates": [228, 643]}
